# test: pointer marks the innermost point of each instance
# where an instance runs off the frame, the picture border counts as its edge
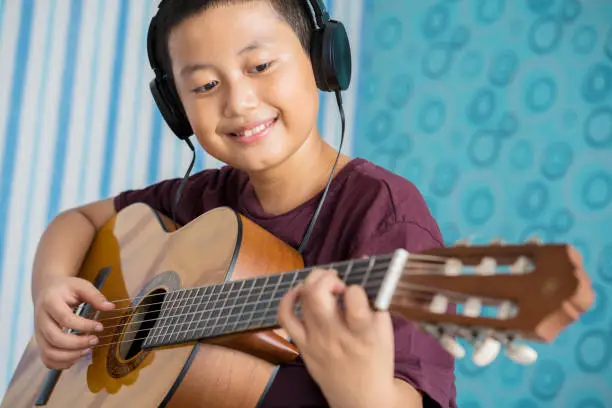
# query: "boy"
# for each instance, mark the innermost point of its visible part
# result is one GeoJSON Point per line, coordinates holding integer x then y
{"type": "Point", "coordinates": [245, 81]}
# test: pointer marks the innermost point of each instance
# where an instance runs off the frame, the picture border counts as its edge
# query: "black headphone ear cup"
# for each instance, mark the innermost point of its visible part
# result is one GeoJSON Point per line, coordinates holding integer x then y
{"type": "Point", "coordinates": [331, 57]}
{"type": "Point", "coordinates": [170, 108]}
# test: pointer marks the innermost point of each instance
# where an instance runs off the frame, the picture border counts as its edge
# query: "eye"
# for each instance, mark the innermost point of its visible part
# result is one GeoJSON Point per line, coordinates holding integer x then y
{"type": "Point", "coordinates": [262, 67]}
{"type": "Point", "coordinates": [205, 88]}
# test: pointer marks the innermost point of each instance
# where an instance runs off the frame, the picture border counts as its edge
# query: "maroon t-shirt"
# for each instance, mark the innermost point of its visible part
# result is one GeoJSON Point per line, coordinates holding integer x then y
{"type": "Point", "coordinates": [368, 211]}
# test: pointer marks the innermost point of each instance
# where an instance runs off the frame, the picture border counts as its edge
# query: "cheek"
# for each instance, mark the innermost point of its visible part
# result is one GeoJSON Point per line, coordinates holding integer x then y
{"type": "Point", "coordinates": [296, 96]}
{"type": "Point", "coordinates": [204, 120]}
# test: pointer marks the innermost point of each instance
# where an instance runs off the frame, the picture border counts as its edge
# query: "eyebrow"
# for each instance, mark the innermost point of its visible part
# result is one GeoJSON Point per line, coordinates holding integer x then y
{"type": "Point", "coordinates": [253, 45]}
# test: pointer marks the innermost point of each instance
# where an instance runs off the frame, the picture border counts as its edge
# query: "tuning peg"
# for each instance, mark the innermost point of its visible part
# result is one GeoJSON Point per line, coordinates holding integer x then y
{"type": "Point", "coordinates": [522, 265]}
{"type": "Point", "coordinates": [486, 351]}
{"type": "Point", "coordinates": [463, 242]}
{"type": "Point", "coordinates": [452, 346]}
{"type": "Point", "coordinates": [534, 240]}
{"type": "Point", "coordinates": [446, 341]}
{"type": "Point", "coordinates": [453, 267]}
{"type": "Point", "coordinates": [521, 354]}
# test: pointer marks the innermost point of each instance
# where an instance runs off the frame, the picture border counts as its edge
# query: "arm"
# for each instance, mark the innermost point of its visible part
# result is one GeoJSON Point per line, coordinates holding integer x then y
{"type": "Point", "coordinates": [361, 357]}
{"type": "Point", "coordinates": [65, 242]}
{"type": "Point", "coordinates": [56, 289]}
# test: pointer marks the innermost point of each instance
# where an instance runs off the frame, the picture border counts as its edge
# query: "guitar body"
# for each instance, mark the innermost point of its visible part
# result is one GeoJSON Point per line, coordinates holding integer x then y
{"type": "Point", "coordinates": [196, 309]}
{"type": "Point", "coordinates": [145, 254]}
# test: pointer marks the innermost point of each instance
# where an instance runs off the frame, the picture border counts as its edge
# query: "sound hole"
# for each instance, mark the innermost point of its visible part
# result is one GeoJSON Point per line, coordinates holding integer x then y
{"type": "Point", "coordinates": [142, 321]}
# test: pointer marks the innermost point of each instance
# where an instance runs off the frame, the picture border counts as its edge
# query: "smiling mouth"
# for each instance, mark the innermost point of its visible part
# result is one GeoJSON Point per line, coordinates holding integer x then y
{"type": "Point", "coordinates": [256, 130]}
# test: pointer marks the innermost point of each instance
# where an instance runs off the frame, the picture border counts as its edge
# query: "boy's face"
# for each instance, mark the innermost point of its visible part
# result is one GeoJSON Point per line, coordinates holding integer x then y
{"type": "Point", "coordinates": [241, 67]}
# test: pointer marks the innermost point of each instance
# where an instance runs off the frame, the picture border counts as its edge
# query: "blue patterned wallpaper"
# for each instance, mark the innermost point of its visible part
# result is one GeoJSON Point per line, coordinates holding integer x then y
{"type": "Point", "coordinates": [501, 113]}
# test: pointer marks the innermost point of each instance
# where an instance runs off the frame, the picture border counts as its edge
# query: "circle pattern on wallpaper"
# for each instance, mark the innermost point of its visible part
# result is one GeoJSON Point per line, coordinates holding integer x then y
{"type": "Point", "coordinates": [500, 112]}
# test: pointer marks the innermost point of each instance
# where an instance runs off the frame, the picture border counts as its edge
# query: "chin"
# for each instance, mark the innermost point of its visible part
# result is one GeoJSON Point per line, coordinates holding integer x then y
{"type": "Point", "coordinates": [268, 153]}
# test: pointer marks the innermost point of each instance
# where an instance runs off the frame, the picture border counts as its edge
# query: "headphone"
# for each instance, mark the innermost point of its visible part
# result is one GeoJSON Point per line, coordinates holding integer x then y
{"type": "Point", "coordinates": [330, 56]}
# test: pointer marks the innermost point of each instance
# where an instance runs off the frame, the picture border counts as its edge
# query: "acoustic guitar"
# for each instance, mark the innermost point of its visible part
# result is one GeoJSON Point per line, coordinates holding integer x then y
{"type": "Point", "coordinates": [195, 323]}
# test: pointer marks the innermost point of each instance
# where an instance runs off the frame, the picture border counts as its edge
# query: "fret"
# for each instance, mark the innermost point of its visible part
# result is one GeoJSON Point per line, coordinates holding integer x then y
{"type": "Point", "coordinates": [193, 311]}
{"type": "Point", "coordinates": [286, 282]}
{"type": "Point", "coordinates": [347, 272]}
{"type": "Point", "coordinates": [184, 315]}
{"type": "Point", "coordinates": [213, 310]}
{"type": "Point", "coordinates": [236, 306]}
{"type": "Point", "coordinates": [203, 311]}
{"type": "Point", "coordinates": [169, 316]}
{"type": "Point", "coordinates": [158, 329]}
{"type": "Point", "coordinates": [302, 274]}
{"type": "Point", "coordinates": [187, 315]}
{"type": "Point", "coordinates": [371, 263]}
{"type": "Point", "coordinates": [230, 314]}
{"type": "Point", "coordinates": [176, 319]}
{"type": "Point", "coordinates": [270, 297]}
{"type": "Point", "coordinates": [249, 284]}
{"type": "Point", "coordinates": [251, 303]}
{"type": "Point", "coordinates": [164, 316]}
{"type": "Point", "coordinates": [375, 280]}
{"type": "Point", "coordinates": [257, 309]}
{"type": "Point", "coordinates": [221, 320]}
{"type": "Point", "coordinates": [297, 309]}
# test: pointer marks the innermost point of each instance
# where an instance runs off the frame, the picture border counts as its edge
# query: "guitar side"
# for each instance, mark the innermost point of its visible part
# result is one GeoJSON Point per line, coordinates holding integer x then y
{"type": "Point", "coordinates": [143, 253]}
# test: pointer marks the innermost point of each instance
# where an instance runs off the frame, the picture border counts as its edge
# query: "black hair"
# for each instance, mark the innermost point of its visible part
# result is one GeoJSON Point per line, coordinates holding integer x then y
{"type": "Point", "coordinates": [293, 12]}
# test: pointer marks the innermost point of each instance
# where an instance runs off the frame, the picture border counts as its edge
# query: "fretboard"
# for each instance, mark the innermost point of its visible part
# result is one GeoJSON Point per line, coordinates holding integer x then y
{"type": "Point", "coordinates": [248, 304]}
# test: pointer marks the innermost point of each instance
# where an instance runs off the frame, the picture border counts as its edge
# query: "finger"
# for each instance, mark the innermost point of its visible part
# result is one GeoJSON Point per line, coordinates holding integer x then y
{"type": "Point", "coordinates": [56, 337]}
{"type": "Point", "coordinates": [320, 303]}
{"type": "Point", "coordinates": [357, 311]}
{"type": "Point", "coordinates": [88, 293]}
{"type": "Point", "coordinates": [326, 277]}
{"type": "Point", "coordinates": [288, 319]}
{"type": "Point", "coordinates": [56, 358]}
{"type": "Point", "coordinates": [62, 314]}
{"type": "Point", "coordinates": [314, 276]}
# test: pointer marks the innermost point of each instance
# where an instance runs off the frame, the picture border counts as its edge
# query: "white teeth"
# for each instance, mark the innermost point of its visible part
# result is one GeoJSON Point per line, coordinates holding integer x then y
{"type": "Point", "coordinates": [253, 131]}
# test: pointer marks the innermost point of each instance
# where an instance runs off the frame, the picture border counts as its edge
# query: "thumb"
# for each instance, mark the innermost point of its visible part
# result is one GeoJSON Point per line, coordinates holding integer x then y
{"type": "Point", "coordinates": [88, 293]}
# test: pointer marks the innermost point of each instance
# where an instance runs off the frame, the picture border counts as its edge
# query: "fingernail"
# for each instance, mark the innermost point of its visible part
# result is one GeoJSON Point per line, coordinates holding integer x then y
{"type": "Point", "coordinates": [99, 327]}
{"type": "Point", "coordinates": [108, 304]}
{"type": "Point", "coordinates": [93, 341]}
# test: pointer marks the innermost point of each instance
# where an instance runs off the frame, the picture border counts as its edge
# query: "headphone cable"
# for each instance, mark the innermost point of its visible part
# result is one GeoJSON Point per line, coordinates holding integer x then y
{"type": "Point", "coordinates": [315, 216]}
{"type": "Point", "coordinates": [331, 176]}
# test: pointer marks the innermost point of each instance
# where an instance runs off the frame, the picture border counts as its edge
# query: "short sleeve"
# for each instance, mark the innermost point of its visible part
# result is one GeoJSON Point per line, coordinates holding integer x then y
{"type": "Point", "coordinates": [158, 196]}
{"type": "Point", "coordinates": [419, 358]}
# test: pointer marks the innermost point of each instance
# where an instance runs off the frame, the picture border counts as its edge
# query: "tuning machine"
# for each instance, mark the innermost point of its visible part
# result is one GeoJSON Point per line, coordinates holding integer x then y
{"type": "Point", "coordinates": [519, 353]}
{"type": "Point", "coordinates": [534, 240]}
{"type": "Point", "coordinates": [486, 351]}
{"type": "Point", "coordinates": [463, 242]}
{"type": "Point", "coordinates": [446, 340]}
{"type": "Point", "coordinates": [497, 241]}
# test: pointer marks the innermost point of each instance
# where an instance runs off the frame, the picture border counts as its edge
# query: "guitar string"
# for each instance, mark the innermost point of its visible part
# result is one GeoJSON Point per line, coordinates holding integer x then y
{"type": "Point", "coordinates": [262, 325]}
{"type": "Point", "coordinates": [215, 308]}
{"type": "Point", "coordinates": [453, 297]}
{"type": "Point", "coordinates": [222, 285]}
{"type": "Point", "coordinates": [109, 315]}
{"type": "Point", "coordinates": [191, 302]}
{"type": "Point", "coordinates": [335, 265]}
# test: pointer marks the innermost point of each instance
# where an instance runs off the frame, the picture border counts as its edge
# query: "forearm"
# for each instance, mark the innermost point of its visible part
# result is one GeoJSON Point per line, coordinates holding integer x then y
{"type": "Point", "coordinates": [61, 249]}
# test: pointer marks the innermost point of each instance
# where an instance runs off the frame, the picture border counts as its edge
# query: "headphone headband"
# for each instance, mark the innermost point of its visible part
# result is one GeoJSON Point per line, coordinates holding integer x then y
{"type": "Point", "coordinates": [330, 55]}
{"type": "Point", "coordinates": [321, 17]}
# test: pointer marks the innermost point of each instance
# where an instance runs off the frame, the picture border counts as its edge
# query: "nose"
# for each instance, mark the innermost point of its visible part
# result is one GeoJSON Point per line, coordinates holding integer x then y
{"type": "Point", "coordinates": [240, 97]}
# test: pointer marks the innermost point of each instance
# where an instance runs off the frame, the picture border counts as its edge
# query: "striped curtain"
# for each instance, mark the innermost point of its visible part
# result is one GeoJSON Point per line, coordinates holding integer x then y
{"type": "Point", "coordinates": [78, 123]}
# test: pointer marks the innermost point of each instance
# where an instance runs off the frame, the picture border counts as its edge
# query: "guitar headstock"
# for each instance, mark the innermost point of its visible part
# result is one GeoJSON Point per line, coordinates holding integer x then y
{"type": "Point", "coordinates": [489, 295]}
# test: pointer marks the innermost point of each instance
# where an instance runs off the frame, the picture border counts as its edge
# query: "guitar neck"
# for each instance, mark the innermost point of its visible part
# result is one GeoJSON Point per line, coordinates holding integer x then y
{"type": "Point", "coordinates": [248, 304]}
